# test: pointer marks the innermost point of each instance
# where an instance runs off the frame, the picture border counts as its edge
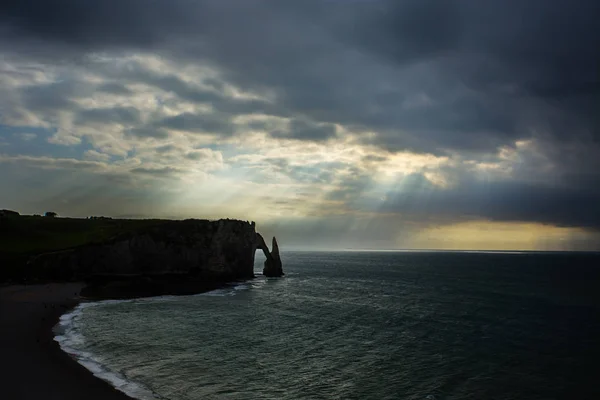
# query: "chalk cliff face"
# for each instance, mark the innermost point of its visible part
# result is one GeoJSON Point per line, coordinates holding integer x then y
{"type": "Point", "coordinates": [216, 251]}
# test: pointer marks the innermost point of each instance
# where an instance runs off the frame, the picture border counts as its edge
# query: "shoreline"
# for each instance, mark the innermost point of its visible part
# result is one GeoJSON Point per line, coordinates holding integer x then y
{"type": "Point", "coordinates": [35, 365]}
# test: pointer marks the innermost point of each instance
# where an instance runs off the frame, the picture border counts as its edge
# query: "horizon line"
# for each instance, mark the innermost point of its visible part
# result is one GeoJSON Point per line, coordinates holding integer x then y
{"type": "Point", "coordinates": [304, 249]}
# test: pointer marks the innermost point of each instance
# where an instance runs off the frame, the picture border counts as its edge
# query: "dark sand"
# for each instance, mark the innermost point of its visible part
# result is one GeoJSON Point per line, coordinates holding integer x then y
{"type": "Point", "coordinates": [32, 365]}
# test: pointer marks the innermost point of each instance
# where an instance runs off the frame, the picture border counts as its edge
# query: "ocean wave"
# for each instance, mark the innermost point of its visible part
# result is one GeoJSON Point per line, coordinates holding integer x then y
{"type": "Point", "coordinates": [71, 341]}
{"type": "Point", "coordinates": [232, 289]}
{"type": "Point", "coordinates": [218, 293]}
{"type": "Point", "coordinates": [118, 381]}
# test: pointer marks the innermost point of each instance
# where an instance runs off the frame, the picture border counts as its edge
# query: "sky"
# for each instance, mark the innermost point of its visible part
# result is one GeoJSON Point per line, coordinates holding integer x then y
{"type": "Point", "coordinates": [334, 124]}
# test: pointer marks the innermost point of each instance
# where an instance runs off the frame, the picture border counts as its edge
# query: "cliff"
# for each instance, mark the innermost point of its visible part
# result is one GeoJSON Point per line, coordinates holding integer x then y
{"type": "Point", "coordinates": [171, 257]}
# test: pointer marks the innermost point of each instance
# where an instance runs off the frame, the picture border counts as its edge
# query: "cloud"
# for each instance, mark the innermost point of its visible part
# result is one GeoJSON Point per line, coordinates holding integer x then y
{"type": "Point", "coordinates": [302, 130]}
{"type": "Point", "coordinates": [484, 87]}
{"type": "Point", "coordinates": [119, 115]}
{"type": "Point", "coordinates": [203, 154]}
{"type": "Point", "coordinates": [97, 156]}
{"type": "Point", "coordinates": [54, 96]}
{"type": "Point", "coordinates": [158, 172]}
{"type": "Point", "coordinates": [26, 136]}
{"type": "Point", "coordinates": [198, 123]}
{"type": "Point", "coordinates": [168, 148]}
{"type": "Point", "coordinates": [438, 108]}
{"type": "Point", "coordinates": [114, 88]}
{"type": "Point", "coordinates": [499, 201]}
{"type": "Point", "coordinates": [53, 163]}
{"type": "Point", "coordinates": [148, 132]}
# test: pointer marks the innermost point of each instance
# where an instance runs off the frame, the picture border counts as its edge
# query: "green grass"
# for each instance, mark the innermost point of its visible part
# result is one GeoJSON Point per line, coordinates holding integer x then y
{"type": "Point", "coordinates": [24, 236]}
{"type": "Point", "coordinates": [33, 235]}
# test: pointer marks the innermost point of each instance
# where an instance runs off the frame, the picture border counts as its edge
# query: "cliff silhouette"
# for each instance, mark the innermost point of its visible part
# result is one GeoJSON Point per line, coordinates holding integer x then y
{"type": "Point", "coordinates": [131, 258]}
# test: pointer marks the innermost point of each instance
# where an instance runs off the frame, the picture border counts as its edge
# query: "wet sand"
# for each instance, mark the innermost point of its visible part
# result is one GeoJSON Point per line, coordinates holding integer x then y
{"type": "Point", "coordinates": [33, 366]}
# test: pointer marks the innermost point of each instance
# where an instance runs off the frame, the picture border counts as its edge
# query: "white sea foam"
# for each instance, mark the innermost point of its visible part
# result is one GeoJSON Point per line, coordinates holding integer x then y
{"type": "Point", "coordinates": [257, 283]}
{"type": "Point", "coordinates": [72, 341]}
{"type": "Point", "coordinates": [228, 291]}
{"type": "Point", "coordinates": [218, 293]}
{"type": "Point", "coordinates": [117, 380]}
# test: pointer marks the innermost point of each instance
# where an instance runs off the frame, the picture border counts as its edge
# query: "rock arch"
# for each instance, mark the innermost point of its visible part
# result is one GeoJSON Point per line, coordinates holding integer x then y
{"type": "Point", "coordinates": [273, 265]}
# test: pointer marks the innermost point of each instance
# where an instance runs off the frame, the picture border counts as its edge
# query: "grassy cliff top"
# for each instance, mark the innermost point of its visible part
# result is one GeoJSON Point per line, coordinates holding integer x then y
{"type": "Point", "coordinates": [24, 236]}
{"type": "Point", "coordinates": [33, 234]}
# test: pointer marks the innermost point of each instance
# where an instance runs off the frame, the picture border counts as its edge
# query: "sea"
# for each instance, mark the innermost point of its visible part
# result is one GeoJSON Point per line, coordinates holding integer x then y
{"type": "Point", "coordinates": [359, 325]}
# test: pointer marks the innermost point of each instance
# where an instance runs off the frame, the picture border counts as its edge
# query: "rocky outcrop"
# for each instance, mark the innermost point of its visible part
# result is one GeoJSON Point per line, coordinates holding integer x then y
{"type": "Point", "coordinates": [190, 250]}
{"type": "Point", "coordinates": [273, 267]}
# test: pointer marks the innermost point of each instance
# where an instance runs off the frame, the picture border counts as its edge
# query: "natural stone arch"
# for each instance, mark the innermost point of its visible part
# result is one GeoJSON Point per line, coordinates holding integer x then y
{"type": "Point", "coordinates": [273, 265]}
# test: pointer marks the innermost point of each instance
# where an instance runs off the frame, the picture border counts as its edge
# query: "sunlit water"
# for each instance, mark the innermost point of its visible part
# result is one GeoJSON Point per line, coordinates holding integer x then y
{"type": "Point", "coordinates": [360, 326]}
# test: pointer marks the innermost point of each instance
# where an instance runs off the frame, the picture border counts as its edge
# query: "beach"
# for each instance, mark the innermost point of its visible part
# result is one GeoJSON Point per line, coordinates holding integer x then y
{"type": "Point", "coordinates": [33, 365]}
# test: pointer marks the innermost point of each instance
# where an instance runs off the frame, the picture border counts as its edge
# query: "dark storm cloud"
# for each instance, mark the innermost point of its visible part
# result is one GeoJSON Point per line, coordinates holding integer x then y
{"type": "Point", "coordinates": [546, 51]}
{"type": "Point", "coordinates": [114, 88]}
{"type": "Point", "coordinates": [148, 132]}
{"type": "Point", "coordinates": [198, 123]}
{"type": "Point", "coordinates": [502, 50]}
{"type": "Point", "coordinates": [119, 115]}
{"type": "Point", "coordinates": [54, 96]}
{"type": "Point", "coordinates": [501, 201]}
{"type": "Point", "coordinates": [433, 76]}
{"type": "Point", "coordinates": [407, 31]}
{"type": "Point", "coordinates": [135, 22]}
{"type": "Point", "coordinates": [212, 94]}
{"type": "Point", "coordinates": [303, 130]}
